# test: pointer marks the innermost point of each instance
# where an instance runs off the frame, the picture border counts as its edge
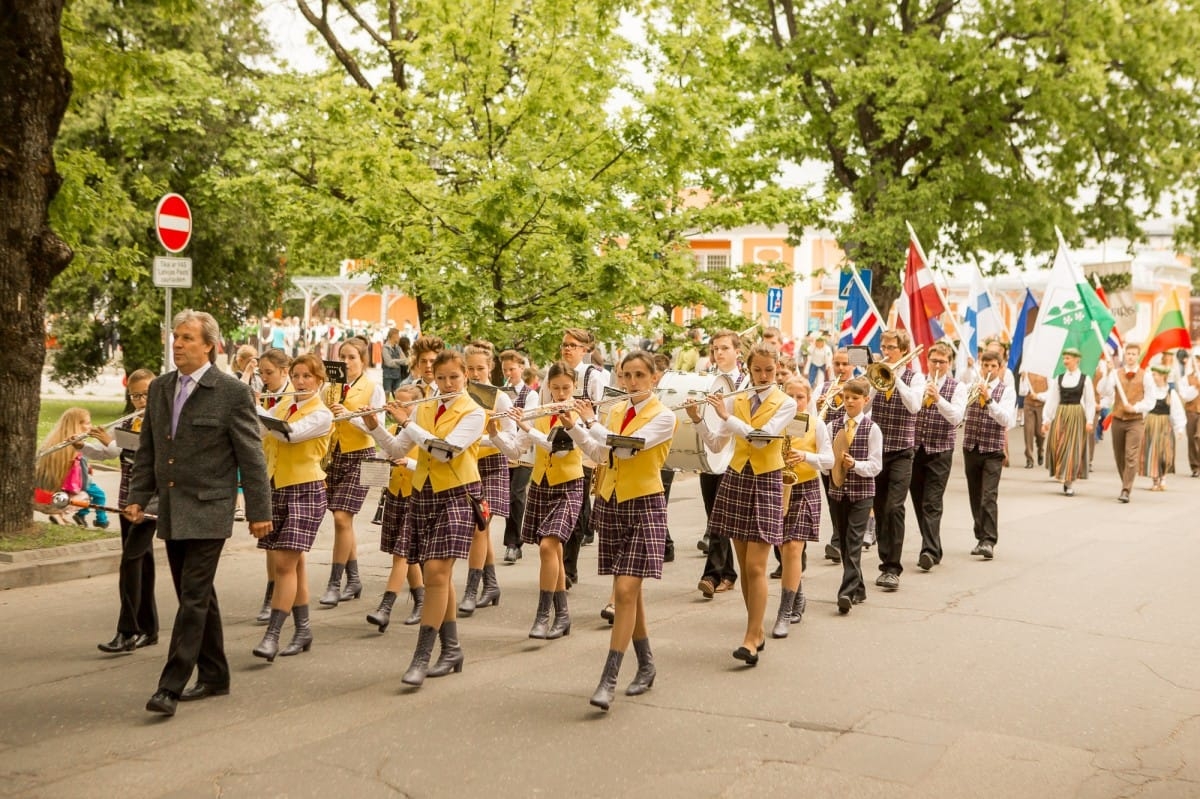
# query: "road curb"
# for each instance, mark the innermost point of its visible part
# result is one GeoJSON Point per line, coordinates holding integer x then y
{"type": "Point", "coordinates": [70, 562]}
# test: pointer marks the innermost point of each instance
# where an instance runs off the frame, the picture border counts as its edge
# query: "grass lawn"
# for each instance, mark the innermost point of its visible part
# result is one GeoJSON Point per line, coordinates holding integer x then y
{"type": "Point", "coordinates": [103, 412]}
{"type": "Point", "coordinates": [41, 535]}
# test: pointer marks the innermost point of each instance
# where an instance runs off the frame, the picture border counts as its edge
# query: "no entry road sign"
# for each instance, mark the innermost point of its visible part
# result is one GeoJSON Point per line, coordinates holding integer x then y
{"type": "Point", "coordinates": [173, 222]}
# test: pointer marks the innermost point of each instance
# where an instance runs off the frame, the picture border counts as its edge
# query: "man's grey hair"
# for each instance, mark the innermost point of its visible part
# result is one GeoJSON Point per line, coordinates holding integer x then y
{"type": "Point", "coordinates": [208, 327]}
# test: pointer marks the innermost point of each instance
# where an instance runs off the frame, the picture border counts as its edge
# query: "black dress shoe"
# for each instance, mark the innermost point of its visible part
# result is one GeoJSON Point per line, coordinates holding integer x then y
{"type": "Point", "coordinates": [1029, 463]}
{"type": "Point", "coordinates": [163, 702]}
{"type": "Point", "coordinates": [778, 573]}
{"type": "Point", "coordinates": [119, 645]}
{"type": "Point", "coordinates": [1041, 459]}
{"type": "Point", "coordinates": [926, 561]}
{"type": "Point", "coordinates": [1124, 497]}
{"type": "Point", "coordinates": [978, 550]}
{"type": "Point", "coordinates": [203, 691]}
{"type": "Point", "coordinates": [746, 656]}
{"type": "Point", "coordinates": [987, 550]}
{"type": "Point", "coordinates": [144, 640]}
{"type": "Point", "coordinates": [844, 604]}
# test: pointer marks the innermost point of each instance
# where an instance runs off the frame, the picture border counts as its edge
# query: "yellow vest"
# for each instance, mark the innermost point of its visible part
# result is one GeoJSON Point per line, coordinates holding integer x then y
{"type": "Point", "coordinates": [485, 451]}
{"type": "Point", "coordinates": [557, 469]}
{"type": "Point", "coordinates": [400, 484]}
{"type": "Point", "coordinates": [761, 459]}
{"type": "Point", "coordinates": [291, 464]}
{"type": "Point", "coordinates": [641, 475]}
{"type": "Point", "coordinates": [463, 468]}
{"type": "Point", "coordinates": [807, 443]}
{"type": "Point", "coordinates": [346, 435]}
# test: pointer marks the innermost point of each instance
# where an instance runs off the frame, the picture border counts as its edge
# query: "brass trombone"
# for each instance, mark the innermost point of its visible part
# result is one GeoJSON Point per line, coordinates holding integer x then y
{"type": "Point", "coordinates": [832, 398]}
{"type": "Point", "coordinates": [882, 376]}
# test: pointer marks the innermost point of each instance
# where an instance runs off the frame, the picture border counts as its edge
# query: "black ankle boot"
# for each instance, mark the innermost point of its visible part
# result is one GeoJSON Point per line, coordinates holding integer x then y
{"type": "Point", "coordinates": [787, 599]}
{"type": "Point", "coordinates": [333, 591]}
{"type": "Point", "coordinates": [562, 617]}
{"type": "Point", "coordinates": [419, 667]}
{"type": "Point", "coordinates": [302, 639]}
{"type": "Point", "coordinates": [608, 681]}
{"type": "Point", "coordinates": [269, 646]}
{"type": "Point", "coordinates": [491, 588]}
{"type": "Point", "coordinates": [418, 598]}
{"type": "Point", "coordinates": [353, 589]}
{"type": "Point", "coordinates": [468, 604]}
{"type": "Point", "coordinates": [541, 621]}
{"type": "Point", "coordinates": [644, 679]}
{"type": "Point", "coordinates": [450, 659]}
{"type": "Point", "coordinates": [264, 615]}
{"type": "Point", "coordinates": [383, 614]}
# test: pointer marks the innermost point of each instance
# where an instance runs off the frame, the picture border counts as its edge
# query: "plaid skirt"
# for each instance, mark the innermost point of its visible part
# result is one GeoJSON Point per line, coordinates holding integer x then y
{"type": "Point", "coordinates": [1158, 451]}
{"type": "Point", "coordinates": [551, 511]}
{"type": "Point", "coordinates": [392, 536]}
{"type": "Point", "coordinates": [441, 525]}
{"type": "Point", "coordinates": [345, 492]}
{"type": "Point", "coordinates": [749, 507]}
{"type": "Point", "coordinates": [802, 522]}
{"type": "Point", "coordinates": [296, 514]}
{"type": "Point", "coordinates": [632, 534]}
{"type": "Point", "coordinates": [493, 473]}
{"type": "Point", "coordinates": [1067, 444]}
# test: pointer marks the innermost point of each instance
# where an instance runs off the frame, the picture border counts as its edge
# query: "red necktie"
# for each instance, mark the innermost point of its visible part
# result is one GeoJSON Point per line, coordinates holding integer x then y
{"type": "Point", "coordinates": [441, 409]}
{"type": "Point", "coordinates": [553, 419]}
{"type": "Point", "coordinates": [292, 410]}
{"type": "Point", "coordinates": [1130, 375]}
{"type": "Point", "coordinates": [271, 402]}
{"type": "Point", "coordinates": [629, 414]}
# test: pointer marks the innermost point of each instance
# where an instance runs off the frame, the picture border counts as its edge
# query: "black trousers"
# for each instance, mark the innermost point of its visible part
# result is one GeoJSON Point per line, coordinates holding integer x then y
{"type": "Point", "coordinates": [135, 579]}
{"type": "Point", "coordinates": [582, 524]}
{"type": "Point", "coordinates": [983, 489]}
{"type": "Point", "coordinates": [891, 492]}
{"type": "Point", "coordinates": [826, 481]}
{"type": "Point", "coordinates": [930, 473]}
{"type": "Point", "coordinates": [518, 491]}
{"type": "Point", "coordinates": [719, 565]}
{"type": "Point", "coordinates": [668, 477]}
{"type": "Point", "coordinates": [197, 640]}
{"type": "Point", "coordinates": [850, 519]}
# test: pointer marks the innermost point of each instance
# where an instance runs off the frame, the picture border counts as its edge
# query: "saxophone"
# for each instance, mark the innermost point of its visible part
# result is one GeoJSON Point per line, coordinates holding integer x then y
{"type": "Point", "coordinates": [790, 478]}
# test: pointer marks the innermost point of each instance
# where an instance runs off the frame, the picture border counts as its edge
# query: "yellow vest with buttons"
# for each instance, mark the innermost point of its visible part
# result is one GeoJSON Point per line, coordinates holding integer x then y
{"type": "Point", "coordinates": [291, 464]}
{"type": "Point", "coordinates": [463, 468]}
{"type": "Point", "coordinates": [806, 443]}
{"type": "Point", "coordinates": [346, 435]}
{"type": "Point", "coordinates": [485, 451]}
{"type": "Point", "coordinates": [641, 475]}
{"type": "Point", "coordinates": [400, 483]}
{"type": "Point", "coordinates": [764, 459]}
{"type": "Point", "coordinates": [556, 469]}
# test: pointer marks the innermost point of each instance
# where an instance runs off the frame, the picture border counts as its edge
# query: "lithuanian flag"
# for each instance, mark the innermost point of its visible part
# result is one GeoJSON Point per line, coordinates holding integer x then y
{"type": "Point", "coordinates": [1170, 333]}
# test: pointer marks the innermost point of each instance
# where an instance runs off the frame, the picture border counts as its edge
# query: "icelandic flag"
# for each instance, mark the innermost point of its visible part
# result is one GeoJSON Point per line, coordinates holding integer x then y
{"type": "Point", "coordinates": [862, 323]}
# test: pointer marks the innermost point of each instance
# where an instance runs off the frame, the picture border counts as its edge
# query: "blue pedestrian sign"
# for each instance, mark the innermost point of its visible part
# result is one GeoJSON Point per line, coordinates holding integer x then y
{"type": "Point", "coordinates": [774, 300]}
{"type": "Point", "coordinates": [844, 281]}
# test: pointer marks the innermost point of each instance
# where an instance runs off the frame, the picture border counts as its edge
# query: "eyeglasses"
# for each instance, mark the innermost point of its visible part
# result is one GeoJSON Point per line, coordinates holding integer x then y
{"type": "Point", "coordinates": [136, 397]}
{"type": "Point", "coordinates": [571, 345]}
{"type": "Point", "coordinates": [888, 347]}
{"type": "Point", "coordinates": [938, 361]}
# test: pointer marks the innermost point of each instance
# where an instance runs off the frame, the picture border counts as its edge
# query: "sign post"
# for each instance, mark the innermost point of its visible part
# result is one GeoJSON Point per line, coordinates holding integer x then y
{"type": "Point", "coordinates": [173, 224]}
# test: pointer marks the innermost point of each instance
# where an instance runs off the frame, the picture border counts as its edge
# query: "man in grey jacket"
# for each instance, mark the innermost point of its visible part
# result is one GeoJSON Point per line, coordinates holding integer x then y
{"type": "Point", "coordinates": [200, 428]}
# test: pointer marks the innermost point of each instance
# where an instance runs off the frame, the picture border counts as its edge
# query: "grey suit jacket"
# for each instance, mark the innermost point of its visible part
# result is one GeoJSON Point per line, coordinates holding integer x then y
{"type": "Point", "coordinates": [194, 474]}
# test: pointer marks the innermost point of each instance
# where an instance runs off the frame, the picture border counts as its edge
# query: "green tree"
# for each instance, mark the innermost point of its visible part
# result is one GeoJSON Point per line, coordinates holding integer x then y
{"type": "Point", "coordinates": [165, 101]}
{"type": "Point", "coordinates": [984, 124]}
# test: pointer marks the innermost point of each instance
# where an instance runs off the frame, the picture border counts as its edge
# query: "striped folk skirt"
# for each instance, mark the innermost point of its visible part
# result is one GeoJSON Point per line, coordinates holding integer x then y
{"type": "Point", "coordinates": [632, 535]}
{"type": "Point", "coordinates": [296, 514]}
{"type": "Point", "coordinates": [1158, 449]}
{"type": "Point", "coordinates": [802, 522]}
{"type": "Point", "coordinates": [551, 511]}
{"type": "Point", "coordinates": [393, 537]}
{"type": "Point", "coordinates": [749, 507]}
{"type": "Point", "coordinates": [441, 525]}
{"type": "Point", "coordinates": [345, 492]}
{"type": "Point", "coordinates": [493, 473]}
{"type": "Point", "coordinates": [1067, 445]}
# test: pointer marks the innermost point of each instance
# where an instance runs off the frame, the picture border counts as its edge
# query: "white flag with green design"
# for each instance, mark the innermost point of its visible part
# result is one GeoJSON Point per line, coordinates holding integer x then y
{"type": "Point", "coordinates": [1070, 315]}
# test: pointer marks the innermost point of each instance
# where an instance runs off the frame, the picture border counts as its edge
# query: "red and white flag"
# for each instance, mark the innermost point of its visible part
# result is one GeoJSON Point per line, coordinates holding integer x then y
{"type": "Point", "coordinates": [919, 300]}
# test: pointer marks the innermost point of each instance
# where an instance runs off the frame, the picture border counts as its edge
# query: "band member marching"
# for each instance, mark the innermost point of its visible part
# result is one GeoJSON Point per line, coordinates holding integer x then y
{"type": "Point", "coordinates": [807, 456]}
{"type": "Point", "coordinates": [942, 410]}
{"type": "Point", "coordinates": [512, 364]}
{"type": "Point", "coordinates": [441, 516]}
{"type": "Point", "coordinates": [273, 368]}
{"type": "Point", "coordinates": [828, 408]}
{"type": "Point", "coordinates": [298, 503]}
{"type": "Point", "coordinates": [850, 503]}
{"type": "Point", "coordinates": [630, 512]}
{"type": "Point", "coordinates": [749, 504]}
{"type": "Point", "coordinates": [1069, 415]}
{"type": "Point", "coordinates": [991, 411]}
{"type": "Point", "coordinates": [350, 446]}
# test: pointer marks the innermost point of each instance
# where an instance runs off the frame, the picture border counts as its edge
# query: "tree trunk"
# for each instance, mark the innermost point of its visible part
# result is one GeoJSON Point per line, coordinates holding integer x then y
{"type": "Point", "coordinates": [33, 96]}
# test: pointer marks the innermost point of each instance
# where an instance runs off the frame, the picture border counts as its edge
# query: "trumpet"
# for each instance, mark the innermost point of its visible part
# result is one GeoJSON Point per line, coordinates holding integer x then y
{"type": "Point", "coordinates": [75, 439]}
{"type": "Point", "coordinates": [832, 398]}
{"type": "Point", "coordinates": [882, 376]}
{"type": "Point", "coordinates": [703, 398]}
{"type": "Point", "coordinates": [978, 393]}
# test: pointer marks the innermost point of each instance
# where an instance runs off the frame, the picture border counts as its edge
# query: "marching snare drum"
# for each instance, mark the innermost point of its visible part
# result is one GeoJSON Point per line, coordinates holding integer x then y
{"type": "Point", "coordinates": [688, 452]}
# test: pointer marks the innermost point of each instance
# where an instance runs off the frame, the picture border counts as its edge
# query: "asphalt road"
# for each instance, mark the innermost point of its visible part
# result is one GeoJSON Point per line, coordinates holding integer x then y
{"type": "Point", "coordinates": [1066, 667]}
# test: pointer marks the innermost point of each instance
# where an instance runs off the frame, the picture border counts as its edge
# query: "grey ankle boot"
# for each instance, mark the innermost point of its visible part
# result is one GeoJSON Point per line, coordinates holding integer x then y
{"type": "Point", "coordinates": [264, 615]}
{"type": "Point", "coordinates": [644, 679]}
{"type": "Point", "coordinates": [450, 659]}
{"type": "Point", "coordinates": [269, 646]}
{"type": "Point", "coordinates": [541, 621]}
{"type": "Point", "coordinates": [608, 681]}
{"type": "Point", "coordinates": [333, 591]}
{"type": "Point", "coordinates": [798, 606]}
{"type": "Point", "coordinates": [418, 598]}
{"type": "Point", "coordinates": [468, 604]}
{"type": "Point", "coordinates": [562, 617]}
{"type": "Point", "coordinates": [419, 666]}
{"type": "Point", "coordinates": [302, 639]}
{"type": "Point", "coordinates": [382, 616]}
{"type": "Point", "coordinates": [353, 589]}
{"type": "Point", "coordinates": [787, 599]}
{"type": "Point", "coordinates": [491, 588]}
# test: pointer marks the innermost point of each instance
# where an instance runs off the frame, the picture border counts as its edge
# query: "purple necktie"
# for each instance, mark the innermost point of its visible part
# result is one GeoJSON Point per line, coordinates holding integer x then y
{"type": "Point", "coordinates": [184, 380]}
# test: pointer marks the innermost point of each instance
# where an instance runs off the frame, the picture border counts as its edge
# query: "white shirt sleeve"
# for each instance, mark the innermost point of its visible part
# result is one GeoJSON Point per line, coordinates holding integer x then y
{"type": "Point", "coordinates": [1052, 401]}
{"type": "Point", "coordinates": [954, 409]}
{"type": "Point", "coordinates": [912, 394]}
{"type": "Point", "coordinates": [1004, 412]}
{"type": "Point", "coordinates": [503, 405]}
{"type": "Point", "coordinates": [658, 430]}
{"type": "Point", "coordinates": [822, 459]}
{"type": "Point", "coordinates": [94, 450]}
{"type": "Point", "coordinates": [1147, 404]}
{"type": "Point", "coordinates": [873, 465]}
{"type": "Point", "coordinates": [1089, 400]}
{"type": "Point", "coordinates": [1178, 415]}
{"type": "Point", "coordinates": [315, 425]}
